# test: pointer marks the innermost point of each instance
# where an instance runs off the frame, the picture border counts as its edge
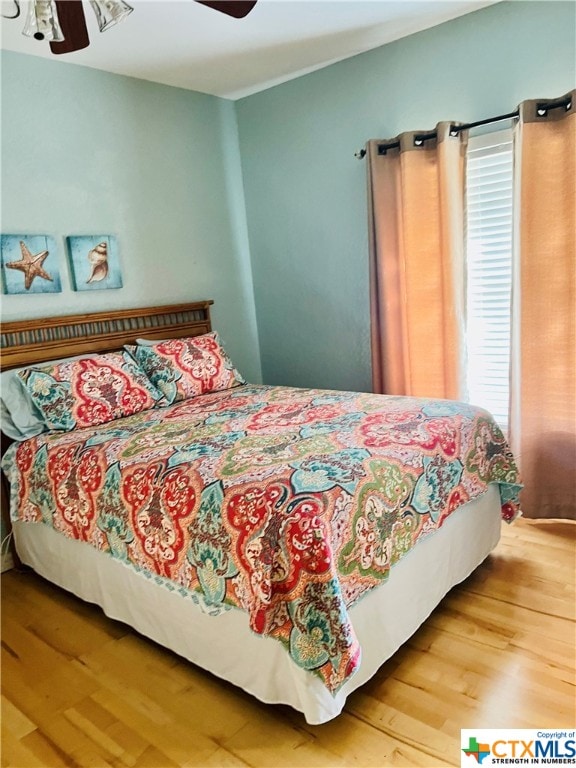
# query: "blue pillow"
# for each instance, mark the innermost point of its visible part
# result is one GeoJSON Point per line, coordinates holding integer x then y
{"type": "Point", "coordinates": [19, 417]}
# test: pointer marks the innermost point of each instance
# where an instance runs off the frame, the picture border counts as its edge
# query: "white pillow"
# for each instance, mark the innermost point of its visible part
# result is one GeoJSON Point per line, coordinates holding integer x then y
{"type": "Point", "coordinates": [149, 342]}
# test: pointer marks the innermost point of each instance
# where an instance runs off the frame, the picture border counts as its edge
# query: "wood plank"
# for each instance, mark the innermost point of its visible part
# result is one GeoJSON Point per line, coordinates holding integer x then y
{"type": "Point", "coordinates": [15, 754]}
{"type": "Point", "coordinates": [82, 690]}
{"type": "Point", "coordinates": [14, 720]}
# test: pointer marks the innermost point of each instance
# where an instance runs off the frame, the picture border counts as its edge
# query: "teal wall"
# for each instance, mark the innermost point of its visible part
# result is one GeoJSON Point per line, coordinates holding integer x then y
{"type": "Point", "coordinates": [166, 170]}
{"type": "Point", "coordinates": [305, 191]}
{"type": "Point", "coordinates": [88, 152]}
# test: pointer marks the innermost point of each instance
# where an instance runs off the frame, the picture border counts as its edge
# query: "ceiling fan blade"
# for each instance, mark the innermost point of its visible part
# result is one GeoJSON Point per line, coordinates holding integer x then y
{"type": "Point", "coordinates": [236, 8]}
{"type": "Point", "coordinates": [73, 24]}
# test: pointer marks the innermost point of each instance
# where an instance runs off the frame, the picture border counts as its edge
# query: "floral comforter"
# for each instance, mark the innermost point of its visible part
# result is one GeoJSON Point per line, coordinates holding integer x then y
{"type": "Point", "coordinates": [287, 503]}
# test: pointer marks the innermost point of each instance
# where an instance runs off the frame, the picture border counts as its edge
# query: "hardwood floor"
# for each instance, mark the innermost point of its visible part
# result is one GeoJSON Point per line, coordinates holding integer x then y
{"type": "Point", "coordinates": [81, 690]}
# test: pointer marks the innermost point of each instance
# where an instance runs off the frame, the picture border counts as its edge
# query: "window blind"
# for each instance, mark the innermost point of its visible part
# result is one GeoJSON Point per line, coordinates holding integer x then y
{"type": "Point", "coordinates": [489, 227]}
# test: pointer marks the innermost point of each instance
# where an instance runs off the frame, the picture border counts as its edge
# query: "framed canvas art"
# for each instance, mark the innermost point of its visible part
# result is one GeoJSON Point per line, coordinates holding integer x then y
{"type": "Point", "coordinates": [94, 262]}
{"type": "Point", "coordinates": [29, 264]}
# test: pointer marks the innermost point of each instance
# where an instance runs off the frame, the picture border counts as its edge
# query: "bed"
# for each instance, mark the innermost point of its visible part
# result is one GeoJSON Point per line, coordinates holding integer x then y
{"type": "Point", "coordinates": [287, 540]}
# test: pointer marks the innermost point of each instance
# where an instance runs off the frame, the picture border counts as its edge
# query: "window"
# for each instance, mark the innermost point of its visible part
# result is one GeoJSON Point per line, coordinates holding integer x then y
{"type": "Point", "coordinates": [489, 226]}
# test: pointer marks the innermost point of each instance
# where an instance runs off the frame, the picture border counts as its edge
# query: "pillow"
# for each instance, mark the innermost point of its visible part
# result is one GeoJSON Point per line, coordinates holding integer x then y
{"type": "Point", "coordinates": [149, 342]}
{"type": "Point", "coordinates": [9, 426]}
{"type": "Point", "coordinates": [183, 368]}
{"type": "Point", "coordinates": [89, 391]}
{"type": "Point", "coordinates": [19, 417]}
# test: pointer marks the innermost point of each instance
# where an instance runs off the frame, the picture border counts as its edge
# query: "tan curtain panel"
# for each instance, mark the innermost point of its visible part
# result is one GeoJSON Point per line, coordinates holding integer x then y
{"type": "Point", "coordinates": [415, 195]}
{"type": "Point", "coordinates": [543, 396]}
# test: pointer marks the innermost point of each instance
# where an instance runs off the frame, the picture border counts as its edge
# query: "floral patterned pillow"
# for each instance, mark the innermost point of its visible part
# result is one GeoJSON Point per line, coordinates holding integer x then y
{"type": "Point", "coordinates": [183, 368]}
{"type": "Point", "coordinates": [89, 391]}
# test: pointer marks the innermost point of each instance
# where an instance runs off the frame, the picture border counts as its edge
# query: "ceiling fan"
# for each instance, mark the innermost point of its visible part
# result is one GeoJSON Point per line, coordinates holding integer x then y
{"type": "Point", "coordinates": [63, 24]}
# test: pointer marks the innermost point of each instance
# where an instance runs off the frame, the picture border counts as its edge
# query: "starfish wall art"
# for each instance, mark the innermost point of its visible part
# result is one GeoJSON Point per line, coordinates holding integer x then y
{"type": "Point", "coordinates": [29, 264]}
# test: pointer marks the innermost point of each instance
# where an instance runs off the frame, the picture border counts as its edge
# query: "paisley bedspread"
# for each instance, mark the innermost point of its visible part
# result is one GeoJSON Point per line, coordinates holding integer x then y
{"type": "Point", "coordinates": [287, 503]}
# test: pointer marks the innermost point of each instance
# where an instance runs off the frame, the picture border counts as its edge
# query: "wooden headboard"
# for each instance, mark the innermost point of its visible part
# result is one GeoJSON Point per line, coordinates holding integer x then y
{"type": "Point", "coordinates": [25, 342]}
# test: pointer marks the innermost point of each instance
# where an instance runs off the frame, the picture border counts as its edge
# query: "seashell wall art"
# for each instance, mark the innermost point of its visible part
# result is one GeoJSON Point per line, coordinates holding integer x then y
{"type": "Point", "coordinates": [94, 262]}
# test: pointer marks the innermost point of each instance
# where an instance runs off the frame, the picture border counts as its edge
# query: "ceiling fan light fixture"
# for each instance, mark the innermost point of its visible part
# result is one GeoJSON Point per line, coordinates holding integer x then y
{"type": "Point", "coordinates": [42, 21]}
{"type": "Point", "coordinates": [110, 12]}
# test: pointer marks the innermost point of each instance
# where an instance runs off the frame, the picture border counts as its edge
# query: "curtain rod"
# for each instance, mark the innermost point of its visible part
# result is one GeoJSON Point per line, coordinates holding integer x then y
{"type": "Point", "coordinates": [419, 138]}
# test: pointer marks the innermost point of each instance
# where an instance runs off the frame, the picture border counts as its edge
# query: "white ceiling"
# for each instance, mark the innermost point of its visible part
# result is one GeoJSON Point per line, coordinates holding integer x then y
{"type": "Point", "coordinates": [185, 44]}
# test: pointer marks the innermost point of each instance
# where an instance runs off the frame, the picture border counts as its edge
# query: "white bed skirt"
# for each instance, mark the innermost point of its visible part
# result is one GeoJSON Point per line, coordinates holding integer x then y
{"type": "Point", "coordinates": [225, 645]}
